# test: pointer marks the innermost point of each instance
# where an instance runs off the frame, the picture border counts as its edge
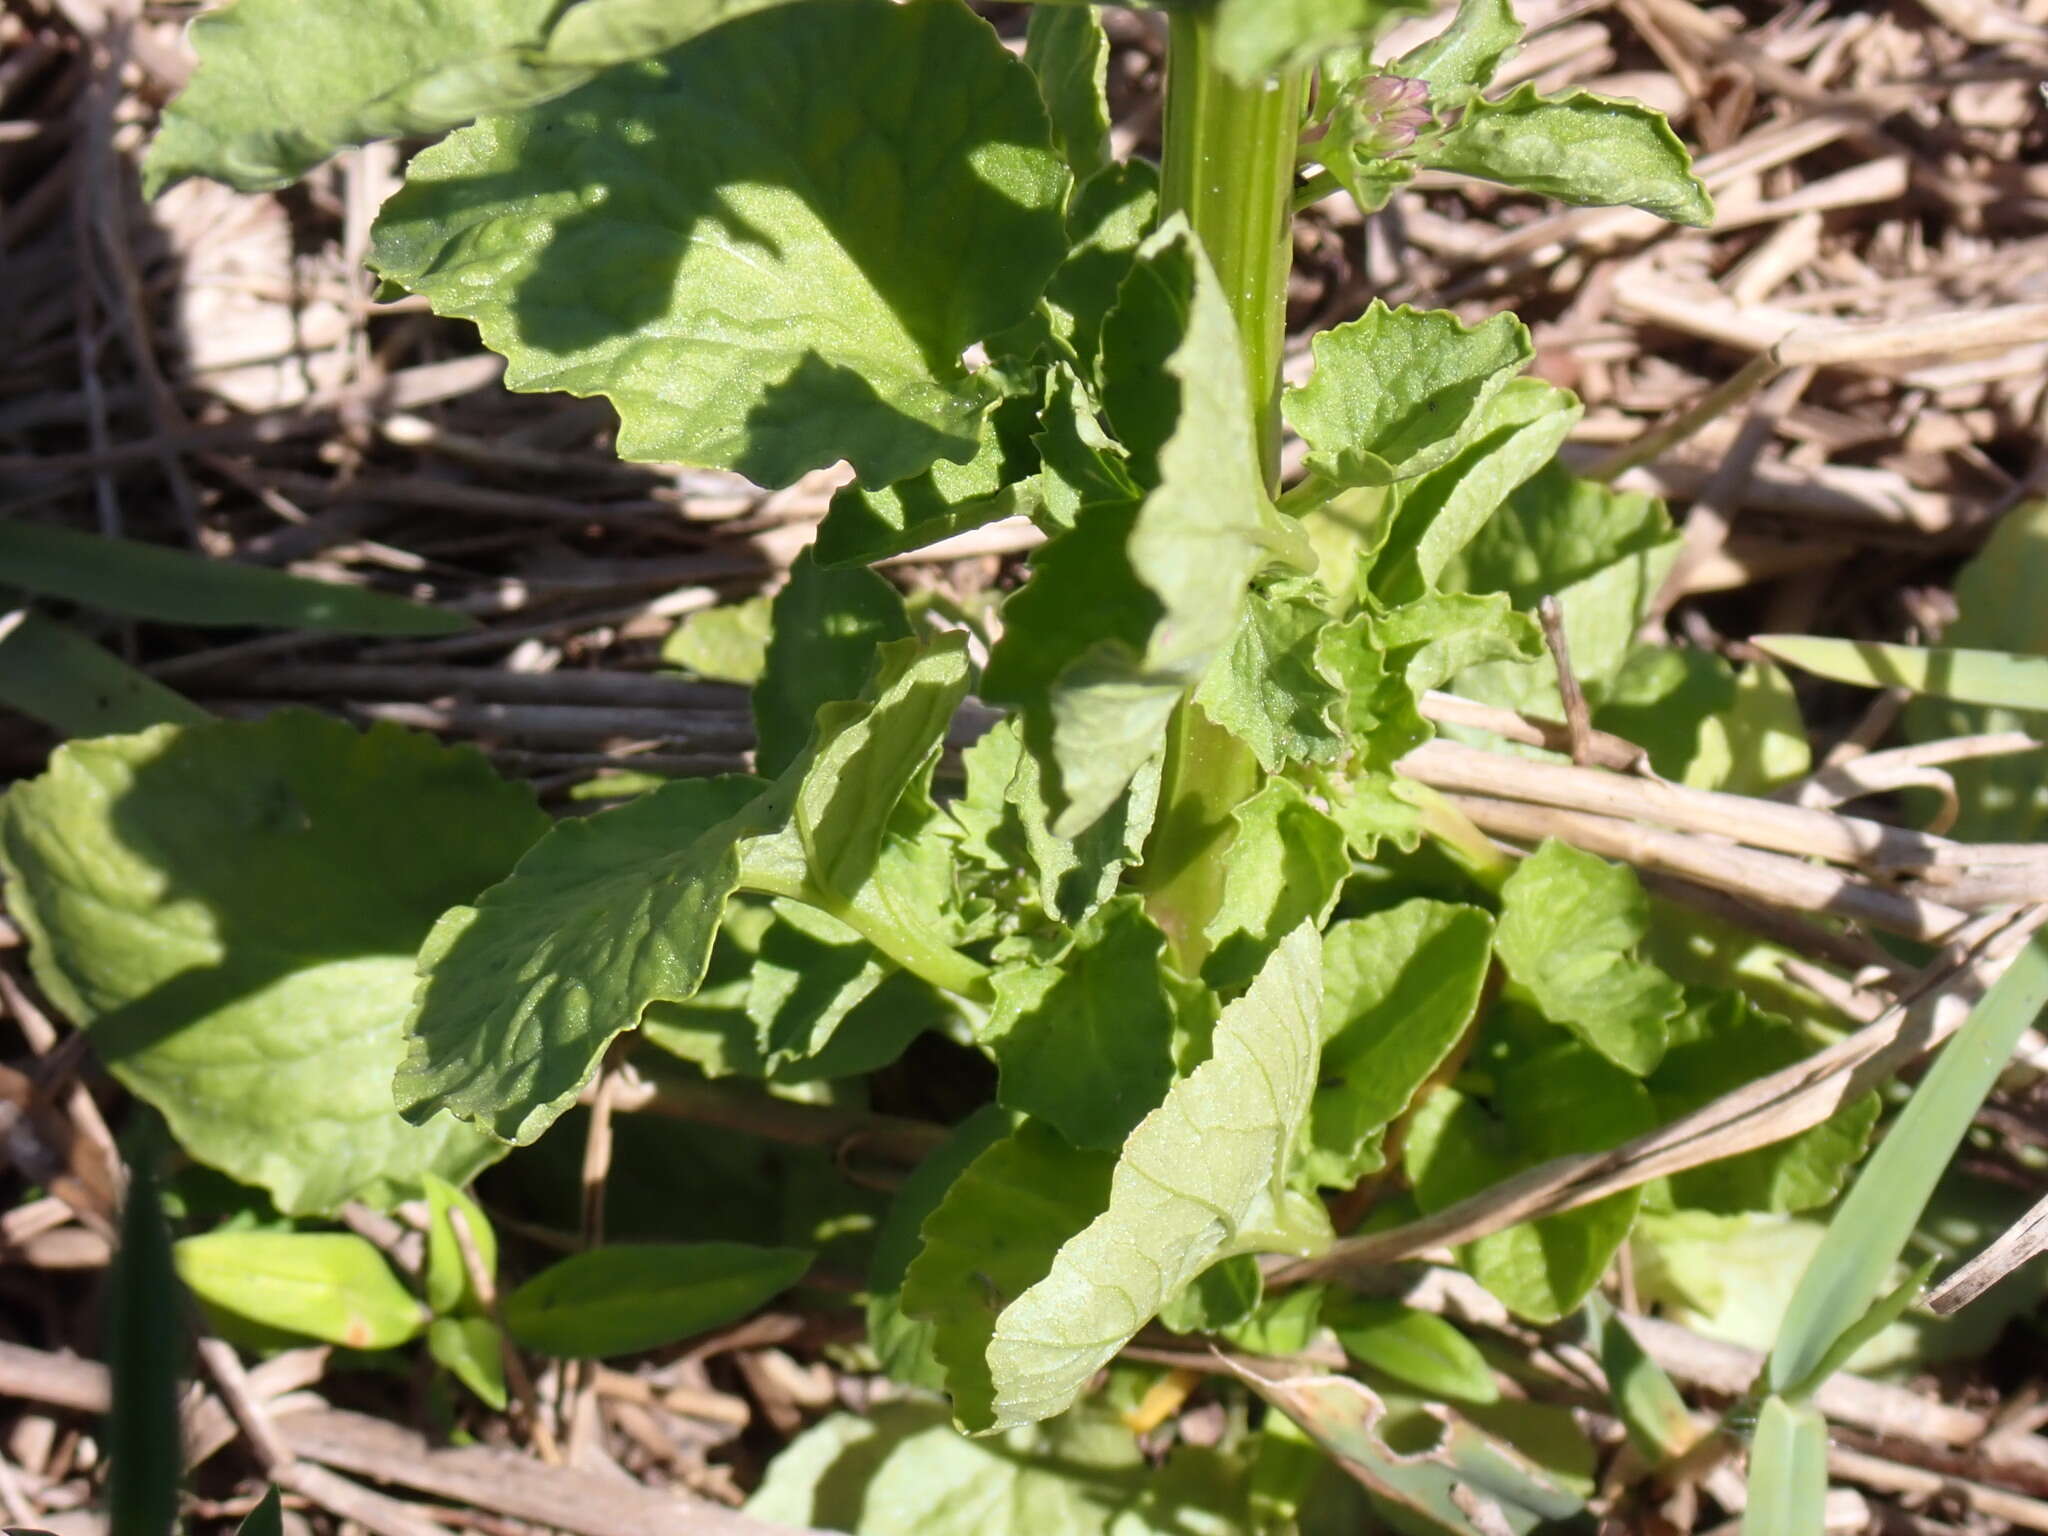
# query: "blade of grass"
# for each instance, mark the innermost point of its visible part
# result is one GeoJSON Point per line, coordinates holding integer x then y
{"type": "Point", "coordinates": [168, 585]}
{"type": "Point", "coordinates": [143, 1350]}
{"type": "Point", "coordinates": [1788, 1472]}
{"type": "Point", "coordinates": [1870, 1227]}
{"type": "Point", "coordinates": [266, 1519]}
{"type": "Point", "coordinates": [54, 674]}
{"type": "Point", "coordinates": [1945, 672]}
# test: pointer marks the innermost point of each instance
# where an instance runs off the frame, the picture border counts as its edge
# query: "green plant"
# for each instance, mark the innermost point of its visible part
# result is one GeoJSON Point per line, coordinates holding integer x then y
{"type": "Point", "coordinates": [1234, 970]}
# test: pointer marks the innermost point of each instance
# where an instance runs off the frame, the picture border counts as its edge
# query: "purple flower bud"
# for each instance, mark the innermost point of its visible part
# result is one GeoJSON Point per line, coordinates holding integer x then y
{"type": "Point", "coordinates": [1386, 113]}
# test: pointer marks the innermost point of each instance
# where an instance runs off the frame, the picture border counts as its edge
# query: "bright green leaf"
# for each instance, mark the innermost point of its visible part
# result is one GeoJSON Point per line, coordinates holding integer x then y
{"type": "Point", "coordinates": [1468, 52]}
{"type": "Point", "coordinates": [54, 674]}
{"type": "Point", "coordinates": [1399, 989]}
{"type": "Point", "coordinates": [1578, 148]}
{"type": "Point", "coordinates": [621, 1300]}
{"type": "Point", "coordinates": [606, 915]}
{"type": "Point", "coordinates": [1569, 926]}
{"type": "Point", "coordinates": [1399, 392]}
{"type": "Point", "coordinates": [1254, 38]}
{"type": "Point", "coordinates": [824, 628]}
{"type": "Point", "coordinates": [754, 289]}
{"type": "Point", "coordinates": [1553, 530]}
{"type": "Point", "coordinates": [1084, 1041]}
{"type": "Point", "coordinates": [903, 1470]}
{"type": "Point", "coordinates": [231, 911]}
{"type": "Point", "coordinates": [1284, 867]}
{"type": "Point", "coordinates": [449, 1287]}
{"type": "Point", "coordinates": [1545, 1102]}
{"type": "Point", "coordinates": [471, 1350]}
{"type": "Point", "coordinates": [332, 1286]}
{"type": "Point", "coordinates": [727, 644]}
{"type": "Point", "coordinates": [1788, 1471]}
{"type": "Point", "coordinates": [1719, 1043]}
{"type": "Point", "coordinates": [148, 581]}
{"type": "Point", "coordinates": [1417, 1348]}
{"type": "Point", "coordinates": [1268, 687]}
{"type": "Point", "coordinates": [1202, 1177]}
{"type": "Point", "coordinates": [1997, 678]}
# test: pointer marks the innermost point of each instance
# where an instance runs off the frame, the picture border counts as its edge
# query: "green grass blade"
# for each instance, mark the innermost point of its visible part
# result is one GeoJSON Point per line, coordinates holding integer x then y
{"type": "Point", "coordinates": [1788, 1472]}
{"type": "Point", "coordinates": [144, 1349]}
{"type": "Point", "coordinates": [150, 582]}
{"type": "Point", "coordinates": [266, 1519]}
{"type": "Point", "coordinates": [56, 675]}
{"type": "Point", "coordinates": [1944, 672]}
{"type": "Point", "coordinates": [1869, 1230]}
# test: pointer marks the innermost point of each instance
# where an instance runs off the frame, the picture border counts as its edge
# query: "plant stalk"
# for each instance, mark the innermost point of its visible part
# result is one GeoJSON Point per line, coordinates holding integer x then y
{"type": "Point", "coordinates": [1230, 154]}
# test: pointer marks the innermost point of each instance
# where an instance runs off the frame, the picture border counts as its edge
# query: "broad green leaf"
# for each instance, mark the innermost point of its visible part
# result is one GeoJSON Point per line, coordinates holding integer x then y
{"type": "Point", "coordinates": [1544, 1102]}
{"type": "Point", "coordinates": [998, 482]}
{"type": "Point", "coordinates": [1460, 1480]}
{"type": "Point", "coordinates": [1555, 529]}
{"type": "Point", "coordinates": [1076, 875]}
{"type": "Point", "coordinates": [522, 992]}
{"type": "Point", "coordinates": [1256, 37]}
{"type": "Point", "coordinates": [282, 86]}
{"type": "Point", "coordinates": [1720, 1042]}
{"type": "Point", "coordinates": [756, 289]}
{"type": "Point", "coordinates": [1284, 867]}
{"type": "Point", "coordinates": [1704, 723]}
{"type": "Point", "coordinates": [901, 1343]}
{"type": "Point", "coordinates": [1436, 515]}
{"type": "Point", "coordinates": [903, 1470]}
{"type": "Point", "coordinates": [727, 644]}
{"type": "Point", "coordinates": [1068, 52]}
{"type": "Point", "coordinates": [471, 1350]}
{"type": "Point", "coordinates": [1084, 1041]}
{"type": "Point", "coordinates": [1128, 609]}
{"type": "Point", "coordinates": [1578, 148]}
{"type": "Point", "coordinates": [1436, 637]}
{"type": "Point", "coordinates": [266, 1519]}
{"type": "Point", "coordinates": [1380, 714]}
{"type": "Point", "coordinates": [824, 628]}
{"type": "Point", "coordinates": [1202, 1177]}
{"type": "Point", "coordinates": [1788, 1471]}
{"type": "Point", "coordinates": [1416, 1348]}
{"type": "Point", "coordinates": [1398, 392]}
{"type": "Point", "coordinates": [1268, 687]}
{"type": "Point", "coordinates": [1468, 52]}
{"type": "Point", "coordinates": [1870, 1227]}
{"type": "Point", "coordinates": [1569, 926]}
{"type": "Point", "coordinates": [1281, 1325]}
{"type": "Point", "coordinates": [449, 1287]}
{"type": "Point", "coordinates": [2004, 799]}
{"type": "Point", "coordinates": [1399, 989]}
{"type": "Point", "coordinates": [231, 912]}
{"type": "Point", "coordinates": [148, 581]}
{"type": "Point", "coordinates": [332, 1286]}
{"type": "Point", "coordinates": [143, 1336]}
{"type": "Point", "coordinates": [992, 1239]}
{"type": "Point", "coordinates": [621, 1300]}
{"type": "Point", "coordinates": [52, 673]}
{"type": "Point", "coordinates": [1997, 678]}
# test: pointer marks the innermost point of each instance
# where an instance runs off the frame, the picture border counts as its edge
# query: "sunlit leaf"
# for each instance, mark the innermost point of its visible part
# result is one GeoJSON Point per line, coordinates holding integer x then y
{"type": "Point", "coordinates": [332, 1286]}
{"type": "Point", "coordinates": [1996, 678]}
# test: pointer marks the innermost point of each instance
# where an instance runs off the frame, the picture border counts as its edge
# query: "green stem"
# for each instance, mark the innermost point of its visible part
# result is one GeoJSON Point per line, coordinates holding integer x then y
{"type": "Point", "coordinates": [1230, 157]}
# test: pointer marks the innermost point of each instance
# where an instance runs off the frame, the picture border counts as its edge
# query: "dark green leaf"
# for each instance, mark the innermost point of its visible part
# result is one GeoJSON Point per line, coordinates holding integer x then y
{"type": "Point", "coordinates": [1569, 926]}
{"type": "Point", "coordinates": [756, 290]}
{"type": "Point", "coordinates": [1398, 392]}
{"type": "Point", "coordinates": [1222, 1296]}
{"type": "Point", "coordinates": [619, 1301]}
{"type": "Point", "coordinates": [332, 1286]}
{"type": "Point", "coordinates": [1068, 51]}
{"type": "Point", "coordinates": [1256, 37]}
{"type": "Point", "coordinates": [823, 631]}
{"type": "Point", "coordinates": [1578, 148]}
{"type": "Point", "coordinates": [1081, 467]}
{"type": "Point", "coordinates": [54, 674]}
{"type": "Point", "coordinates": [1112, 213]}
{"type": "Point", "coordinates": [1084, 1041]}
{"type": "Point", "coordinates": [1417, 1348]}
{"type": "Point", "coordinates": [266, 1519]}
{"type": "Point", "coordinates": [151, 582]}
{"type": "Point", "coordinates": [232, 910]}
{"type": "Point", "coordinates": [609, 914]}
{"type": "Point", "coordinates": [145, 1348]}
{"type": "Point", "coordinates": [1399, 989]}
